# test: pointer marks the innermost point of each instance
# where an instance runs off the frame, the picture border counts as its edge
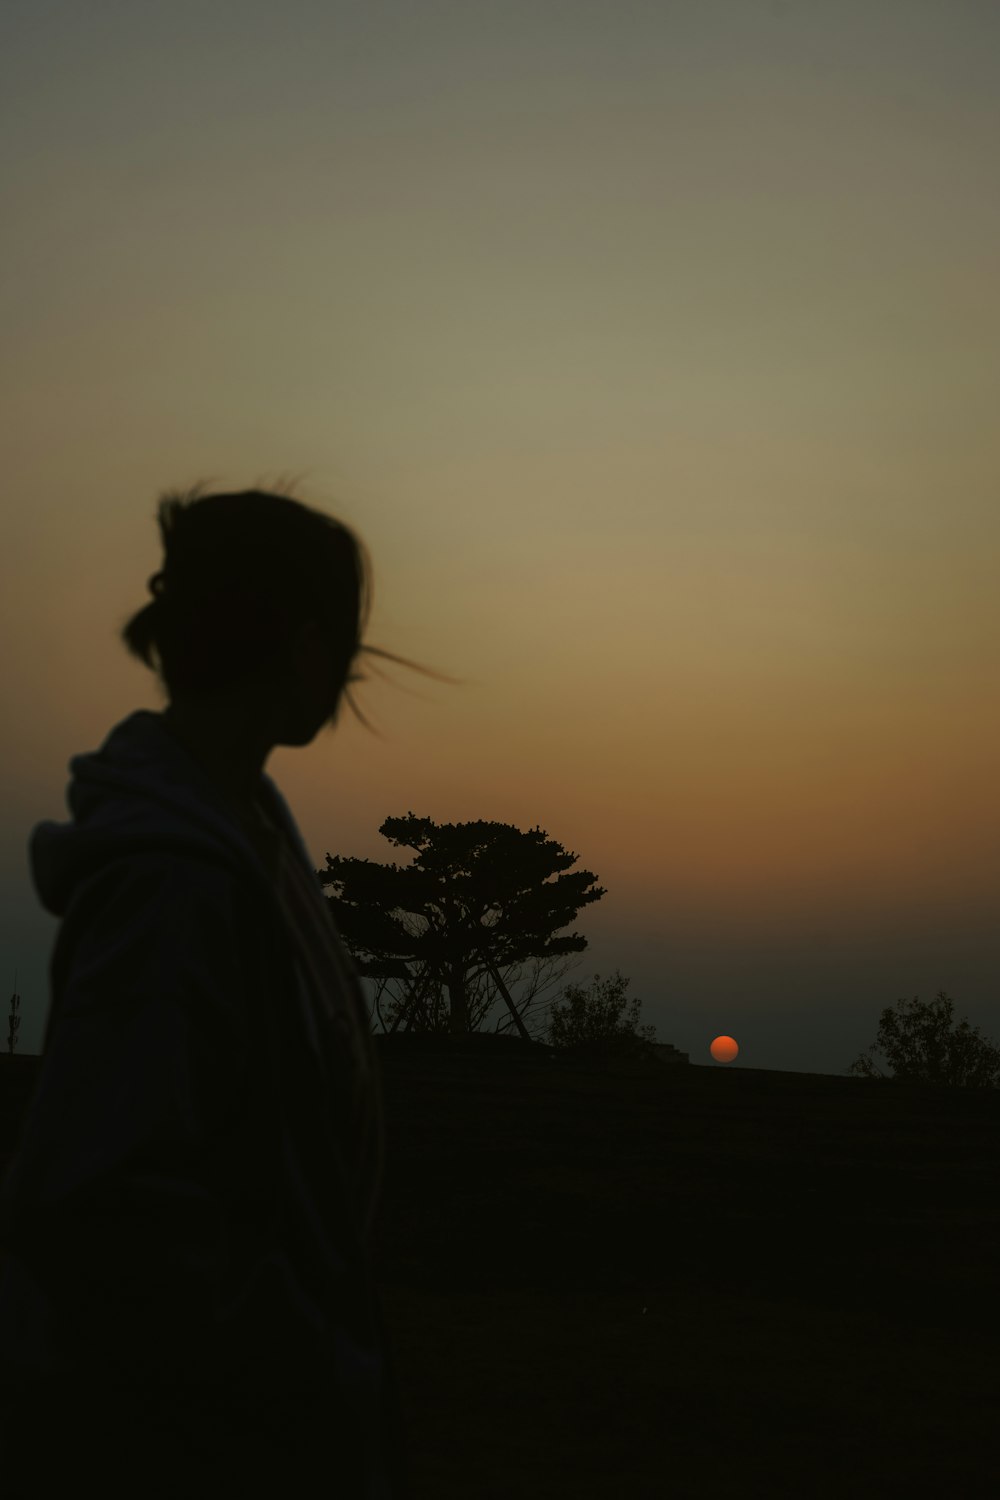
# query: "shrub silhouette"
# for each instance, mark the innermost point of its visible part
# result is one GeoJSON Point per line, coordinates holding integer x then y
{"type": "Point", "coordinates": [590, 1022]}
{"type": "Point", "coordinates": [920, 1041]}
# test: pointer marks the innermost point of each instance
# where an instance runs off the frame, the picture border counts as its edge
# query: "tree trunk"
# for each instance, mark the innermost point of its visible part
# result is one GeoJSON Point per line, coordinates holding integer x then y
{"type": "Point", "coordinates": [459, 1006]}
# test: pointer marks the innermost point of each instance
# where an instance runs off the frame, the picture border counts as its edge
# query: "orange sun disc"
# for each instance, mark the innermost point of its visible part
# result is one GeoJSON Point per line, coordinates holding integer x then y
{"type": "Point", "coordinates": [723, 1049]}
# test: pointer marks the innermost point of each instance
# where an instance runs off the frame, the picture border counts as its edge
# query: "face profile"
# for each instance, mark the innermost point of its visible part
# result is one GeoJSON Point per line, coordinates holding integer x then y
{"type": "Point", "coordinates": [308, 686]}
{"type": "Point", "coordinates": [233, 731]}
{"type": "Point", "coordinates": [258, 614]}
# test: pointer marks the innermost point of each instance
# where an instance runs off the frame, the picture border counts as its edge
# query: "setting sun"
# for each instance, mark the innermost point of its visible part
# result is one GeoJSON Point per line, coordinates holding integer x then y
{"type": "Point", "coordinates": [724, 1049]}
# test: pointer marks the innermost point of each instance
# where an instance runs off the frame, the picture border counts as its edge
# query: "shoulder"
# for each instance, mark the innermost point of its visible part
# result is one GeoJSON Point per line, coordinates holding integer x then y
{"type": "Point", "coordinates": [148, 882]}
{"type": "Point", "coordinates": [161, 924]}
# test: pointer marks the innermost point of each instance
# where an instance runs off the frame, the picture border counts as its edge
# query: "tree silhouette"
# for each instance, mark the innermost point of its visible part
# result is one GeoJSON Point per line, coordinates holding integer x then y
{"type": "Point", "coordinates": [920, 1041]}
{"type": "Point", "coordinates": [591, 1022]}
{"type": "Point", "coordinates": [477, 899]}
{"type": "Point", "coordinates": [420, 1000]}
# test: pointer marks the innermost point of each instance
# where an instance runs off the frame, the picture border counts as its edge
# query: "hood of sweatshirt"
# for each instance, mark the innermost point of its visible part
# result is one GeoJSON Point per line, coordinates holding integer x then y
{"type": "Point", "coordinates": [143, 791]}
{"type": "Point", "coordinates": [96, 1143]}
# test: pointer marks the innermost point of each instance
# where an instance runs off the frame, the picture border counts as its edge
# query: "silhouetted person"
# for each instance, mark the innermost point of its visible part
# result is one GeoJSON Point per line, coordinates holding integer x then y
{"type": "Point", "coordinates": [186, 1303]}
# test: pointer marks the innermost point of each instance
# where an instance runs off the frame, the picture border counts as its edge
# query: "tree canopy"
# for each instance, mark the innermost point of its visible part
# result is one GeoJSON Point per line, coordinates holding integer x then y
{"type": "Point", "coordinates": [919, 1040]}
{"type": "Point", "coordinates": [477, 897]}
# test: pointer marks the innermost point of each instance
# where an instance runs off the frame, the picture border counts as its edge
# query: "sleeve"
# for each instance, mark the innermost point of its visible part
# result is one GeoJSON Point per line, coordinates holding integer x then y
{"type": "Point", "coordinates": [134, 1207]}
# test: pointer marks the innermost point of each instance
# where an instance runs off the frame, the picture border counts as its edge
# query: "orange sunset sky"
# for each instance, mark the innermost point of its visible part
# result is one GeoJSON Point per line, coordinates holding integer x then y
{"type": "Point", "coordinates": [654, 352]}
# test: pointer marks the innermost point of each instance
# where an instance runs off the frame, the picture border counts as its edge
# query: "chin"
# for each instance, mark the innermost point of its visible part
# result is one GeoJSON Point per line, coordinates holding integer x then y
{"type": "Point", "coordinates": [301, 732]}
{"type": "Point", "coordinates": [299, 735]}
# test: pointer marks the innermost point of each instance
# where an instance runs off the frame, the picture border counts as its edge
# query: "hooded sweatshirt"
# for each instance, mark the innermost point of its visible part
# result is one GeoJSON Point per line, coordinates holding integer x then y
{"type": "Point", "coordinates": [185, 1222]}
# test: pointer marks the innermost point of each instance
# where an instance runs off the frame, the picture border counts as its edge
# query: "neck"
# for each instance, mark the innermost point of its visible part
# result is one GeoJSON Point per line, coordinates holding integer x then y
{"type": "Point", "coordinates": [239, 780]}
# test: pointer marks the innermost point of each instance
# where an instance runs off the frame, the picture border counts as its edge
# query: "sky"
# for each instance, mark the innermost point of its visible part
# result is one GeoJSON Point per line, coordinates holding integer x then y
{"type": "Point", "coordinates": [654, 352]}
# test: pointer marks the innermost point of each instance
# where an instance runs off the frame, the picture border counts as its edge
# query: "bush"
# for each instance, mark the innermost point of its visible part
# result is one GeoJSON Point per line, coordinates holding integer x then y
{"type": "Point", "coordinates": [590, 1022]}
{"type": "Point", "coordinates": [919, 1041]}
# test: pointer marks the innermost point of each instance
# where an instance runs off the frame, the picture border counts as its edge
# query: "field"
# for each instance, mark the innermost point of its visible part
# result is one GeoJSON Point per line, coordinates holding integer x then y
{"type": "Point", "coordinates": [681, 1280]}
{"type": "Point", "coordinates": [689, 1281]}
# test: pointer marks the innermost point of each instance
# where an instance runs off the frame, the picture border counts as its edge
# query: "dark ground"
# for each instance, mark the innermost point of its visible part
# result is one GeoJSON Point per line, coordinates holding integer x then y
{"type": "Point", "coordinates": [691, 1281]}
{"type": "Point", "coordinates": [683, 1281]}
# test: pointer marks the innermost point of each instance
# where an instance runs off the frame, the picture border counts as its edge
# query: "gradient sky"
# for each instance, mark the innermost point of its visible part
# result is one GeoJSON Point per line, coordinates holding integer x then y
{"type": "Point", "coordinates": [654, 351]}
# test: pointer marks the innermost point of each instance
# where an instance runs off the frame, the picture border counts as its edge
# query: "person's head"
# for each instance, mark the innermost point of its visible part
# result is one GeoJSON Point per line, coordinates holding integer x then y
{"type": "Point", "coordinates": [261, 602]}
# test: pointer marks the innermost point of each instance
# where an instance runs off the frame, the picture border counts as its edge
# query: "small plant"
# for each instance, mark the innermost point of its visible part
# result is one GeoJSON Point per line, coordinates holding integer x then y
{"type": "Point", "coordinates": [591, 1023]}
{"type": "Point", "coordinates": [14, 1021]}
